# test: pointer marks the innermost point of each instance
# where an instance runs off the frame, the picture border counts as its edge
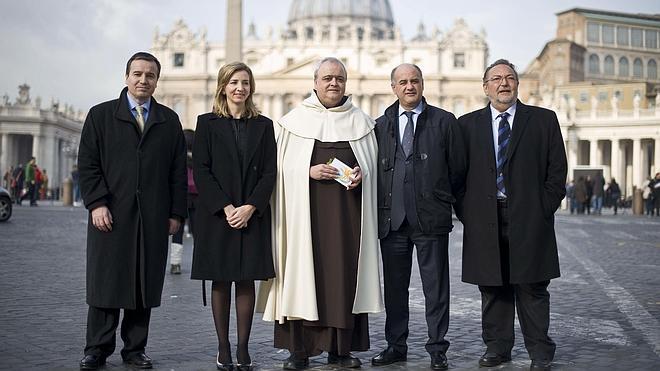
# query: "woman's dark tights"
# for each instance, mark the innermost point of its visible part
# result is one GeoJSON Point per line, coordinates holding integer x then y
{"type": "Point", "coordinates": [220, 305]}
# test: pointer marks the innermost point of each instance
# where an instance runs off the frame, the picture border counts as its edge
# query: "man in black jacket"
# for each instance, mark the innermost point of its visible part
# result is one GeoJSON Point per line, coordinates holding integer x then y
{"type": "Point", "coordinates": [515, 183]}
{"type": "Point", "coordinates": [420, 167]}
{"type": "Point", "coordinates": [132, 165]}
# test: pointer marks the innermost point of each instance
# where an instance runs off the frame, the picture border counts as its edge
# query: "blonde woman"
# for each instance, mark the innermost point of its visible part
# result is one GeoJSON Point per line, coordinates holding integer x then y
{"type": "Point", "coordinates": [234, 166]}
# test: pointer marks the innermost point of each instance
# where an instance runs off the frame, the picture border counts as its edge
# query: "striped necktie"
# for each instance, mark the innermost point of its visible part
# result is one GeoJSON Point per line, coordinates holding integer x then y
{"type": "Point", "coordinates": [140, 117]}
{"type": "Point", "coordinates": [503, 136]}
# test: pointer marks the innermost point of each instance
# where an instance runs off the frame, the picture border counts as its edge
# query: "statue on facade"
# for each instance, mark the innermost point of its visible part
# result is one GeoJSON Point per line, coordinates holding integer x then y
{"type": "Point", "coordinates": [37, 102]}
{"type": "Point", "coordinates": [572, 107]}
{"type": "Point", "coordinates": [614, 102]}
{"type": "Point", "coordinates": [23, 95]}
{"type": "Point", "coordinates": [5, 100]}
{"type": "Point", "coordinates": [636, 101]}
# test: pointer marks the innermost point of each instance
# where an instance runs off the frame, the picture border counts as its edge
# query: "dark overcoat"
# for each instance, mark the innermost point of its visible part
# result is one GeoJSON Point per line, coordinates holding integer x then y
{"type": "Point", "coordinates": [221, 252]}
{"type": "Point", "coordinates": [438, 167]}
{"type": "Point", "coordinates": [141, 178]}
{"type": "Point", "coordinates": [534, 176]}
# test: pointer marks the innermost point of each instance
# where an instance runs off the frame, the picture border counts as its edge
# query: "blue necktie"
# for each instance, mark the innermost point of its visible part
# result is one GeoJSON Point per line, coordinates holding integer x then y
{"type": "Point", "coordinates": [503, 136]}
{"type": "Point", "coordinates": [408, 135]}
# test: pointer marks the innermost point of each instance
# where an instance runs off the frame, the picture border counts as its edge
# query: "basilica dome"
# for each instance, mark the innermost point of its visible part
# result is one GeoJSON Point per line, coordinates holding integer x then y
{"type": "Point", "coordinates": [376, 11]}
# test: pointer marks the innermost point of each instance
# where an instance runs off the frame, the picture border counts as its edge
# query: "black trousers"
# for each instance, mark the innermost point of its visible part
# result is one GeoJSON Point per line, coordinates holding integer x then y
{"type": "Point", "coordinates": [432, 257]}
{"type": "Point", "coordinates": [498, 305]}
{"type": "Point", "coordinates": [102, 327]}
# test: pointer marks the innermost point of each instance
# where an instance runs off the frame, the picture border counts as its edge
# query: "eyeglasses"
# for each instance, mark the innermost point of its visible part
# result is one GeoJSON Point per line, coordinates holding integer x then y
{"type": "Point", "coordinates": [510, 79]}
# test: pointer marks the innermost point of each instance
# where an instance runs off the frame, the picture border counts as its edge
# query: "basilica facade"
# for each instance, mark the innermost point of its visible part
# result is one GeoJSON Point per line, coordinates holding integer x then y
{"type": "Point", "coordinates": [361, 33]}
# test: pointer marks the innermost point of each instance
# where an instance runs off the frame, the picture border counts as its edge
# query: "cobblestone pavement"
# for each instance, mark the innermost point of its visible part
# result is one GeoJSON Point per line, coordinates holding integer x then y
{"type": "Point", "coordinates": [605, 307]}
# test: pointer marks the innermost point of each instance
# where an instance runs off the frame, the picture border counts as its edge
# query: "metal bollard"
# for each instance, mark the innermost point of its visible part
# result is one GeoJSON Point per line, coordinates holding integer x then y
{"type": "Point", "coordinates": [638, 202]}
{"type": "Point", "coordinates": [67, 192]}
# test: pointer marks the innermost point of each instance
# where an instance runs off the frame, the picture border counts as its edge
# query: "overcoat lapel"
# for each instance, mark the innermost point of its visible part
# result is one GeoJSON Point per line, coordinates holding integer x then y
{"type": "Point", "coordinates": [123, 112]}
{"type": "Point", "coordinates": [519, 126]}
{"type": "Point", "coordinates": [255, 130]}
{"type": "Point", "coordinates": [485, 135]}
{"type": "Point", "coordinates": [222, 128]}
{"type": "Point", "coordinates": [155, 117]}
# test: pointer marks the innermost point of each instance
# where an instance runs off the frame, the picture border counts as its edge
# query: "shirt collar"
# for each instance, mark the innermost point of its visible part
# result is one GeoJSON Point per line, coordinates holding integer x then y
{"type": "Point", "coordinates": [132, 103]}
{"type": "Point", "coordinates": [494, 112]}
{"type": "Point", "coordinates": [417, 110]}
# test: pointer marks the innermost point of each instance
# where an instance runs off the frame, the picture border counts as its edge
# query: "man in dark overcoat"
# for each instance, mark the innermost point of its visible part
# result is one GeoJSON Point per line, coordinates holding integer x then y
{"type": "Point", "coordinates": [515, 183]}
{"type": "Point", "coordinates": [420, 166]}
{"type": "Point", "coordinates": [132, 165]}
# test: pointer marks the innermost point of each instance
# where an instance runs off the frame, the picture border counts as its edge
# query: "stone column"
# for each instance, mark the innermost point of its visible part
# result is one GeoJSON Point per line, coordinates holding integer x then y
{"type": "Point", "coordinates": [266, 106]}
{"type": "Point", "coordinates": [615, 170]}
{"type": "Point", "coordinates": [637, 163]}
{"type": "Point", "coordinates": [593, 153]}
{"type": "Point", "coordinates": [572, 152]}
{"type": "Point", "coordinates": [4, 153]}
{"type": "Point", "coordinates": [36, 147]}
{"type": "Point", "coordinates": [278, 105]}
{"type": "Point", "coordinates": [234, 31]}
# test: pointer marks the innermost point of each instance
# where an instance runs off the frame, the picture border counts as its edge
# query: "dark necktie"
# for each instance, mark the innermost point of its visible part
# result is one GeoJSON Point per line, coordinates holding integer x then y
{"type": "Point", "coordinates": [408, 135]}
{"type": "Point", "coordinates": [503, 135]}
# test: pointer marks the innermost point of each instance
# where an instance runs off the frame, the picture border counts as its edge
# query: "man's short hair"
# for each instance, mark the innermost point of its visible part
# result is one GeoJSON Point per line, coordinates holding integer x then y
{"type": "Point", "coordinates": [419, 71]}
{"type": "Point", "coordinates": [317, 66]}
{"type": "Point", "coordinates": [498, 62]}
{"type": "Point", "coordinates": [145, 57]}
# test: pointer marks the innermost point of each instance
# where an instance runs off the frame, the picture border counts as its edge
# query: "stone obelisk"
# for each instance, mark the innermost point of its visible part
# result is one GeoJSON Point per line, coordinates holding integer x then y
{"type": "Point", "coordinates": [234, 32]}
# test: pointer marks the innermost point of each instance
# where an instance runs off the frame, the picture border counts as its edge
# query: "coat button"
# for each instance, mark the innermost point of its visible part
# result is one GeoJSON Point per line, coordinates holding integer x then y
{"type": "Point", "coordinates": [423, 156]}
{"type": "Point", "coordinates": [254, 168]}
{"type": "Point", "coordinates": [490, 197]}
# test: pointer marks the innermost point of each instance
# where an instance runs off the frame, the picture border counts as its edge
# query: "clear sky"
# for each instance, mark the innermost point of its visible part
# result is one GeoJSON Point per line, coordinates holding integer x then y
{"type": "Point", "coordinates": [76, 50]}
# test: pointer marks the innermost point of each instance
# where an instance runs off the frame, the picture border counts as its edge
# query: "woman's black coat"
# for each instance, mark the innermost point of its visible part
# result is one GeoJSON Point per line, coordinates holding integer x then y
{"type": "Point", "coordinates": [223, 253]}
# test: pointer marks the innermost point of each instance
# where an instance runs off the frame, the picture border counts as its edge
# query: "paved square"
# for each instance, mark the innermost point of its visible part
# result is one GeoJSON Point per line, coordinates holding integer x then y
{"type": "Point", "coordinates": [605, 307]}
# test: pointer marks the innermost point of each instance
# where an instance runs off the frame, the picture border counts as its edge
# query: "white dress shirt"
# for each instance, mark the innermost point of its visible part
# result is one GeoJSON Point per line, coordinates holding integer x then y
{"type": "Point", "coordinates": [403, 119]}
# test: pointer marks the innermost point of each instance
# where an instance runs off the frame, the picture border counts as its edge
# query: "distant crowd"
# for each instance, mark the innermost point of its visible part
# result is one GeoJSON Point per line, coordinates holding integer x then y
{"type": "Point", "coordinates": [589, 195]}
{"type": "Point", "coordinates": [29, 182]}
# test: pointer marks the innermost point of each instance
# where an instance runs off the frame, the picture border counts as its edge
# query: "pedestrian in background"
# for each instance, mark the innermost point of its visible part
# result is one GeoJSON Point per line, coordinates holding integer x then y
{"type": "Point", "coordinates": [597, 193]}
{"type": "Point", "coordinates": [75, 179]}
{"type": "Point", "coordinates": [19, 177]}
{"type": "Point", "coordinates": [132, 163]}
{"type": "Point", "coordinates": [234, 166]}
{"type": "Point", "coordinates": [176, 247]}
{"type": "Point", "coordinates": [515, 183]}
{"type": "Point", "coordinates": [655, 193]}
{"type": "Point", "coordinates": [581, 195]}
{"type": "Point", "coordinates": [614, 194]}
{"type": "Point", "coordinates": [570, 196]}
{"type": "Point", "coordinates": [30, 182]}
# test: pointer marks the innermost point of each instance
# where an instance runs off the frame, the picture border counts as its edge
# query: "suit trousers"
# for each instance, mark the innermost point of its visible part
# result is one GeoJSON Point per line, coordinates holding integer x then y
{"type": "Point", "coordinates": [433, 261]}
{"type": "Point", "coordinates": [498, 305]}
{"type": "Point", "coordinates": [102, 327]}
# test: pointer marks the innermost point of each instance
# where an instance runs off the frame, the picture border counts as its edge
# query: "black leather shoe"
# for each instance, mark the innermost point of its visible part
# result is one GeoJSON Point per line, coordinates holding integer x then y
{"type": "Point", "coordinates": [293, 363]}
{"type": "Point", "coordinates": [244, 367]}
{"type": "Point", "coordinates": [139, 360]}
{"type": "Point", "coordinates": [347, 361]}
{"type": "Point", "coordinates": [540, 364]}
{"type": "Point", "coordinates": [388, 356]}
{"type": "Point", "coordinates": [91, 362]}
{"type": "Point", "coordinates": [439, 361]}
{"type": "Point", "coordinates": [491, 359]}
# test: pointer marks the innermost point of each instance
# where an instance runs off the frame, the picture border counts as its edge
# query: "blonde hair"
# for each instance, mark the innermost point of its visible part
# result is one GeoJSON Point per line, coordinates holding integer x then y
{"type": "Point", "coordinates": [220, 106]}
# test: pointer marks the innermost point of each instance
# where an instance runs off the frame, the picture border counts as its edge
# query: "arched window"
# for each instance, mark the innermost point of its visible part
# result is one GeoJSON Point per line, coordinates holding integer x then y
{"type": "Point", "coordinates": [652, 70]}
{"type": "Point", "coordinates": [594, 64]}
{"type": "Point", "coordinates": [638, 68]}
{"type": "Point", "coordinates": [608, 65]}
{"type": "Point", "coordinates": [624, 70]}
